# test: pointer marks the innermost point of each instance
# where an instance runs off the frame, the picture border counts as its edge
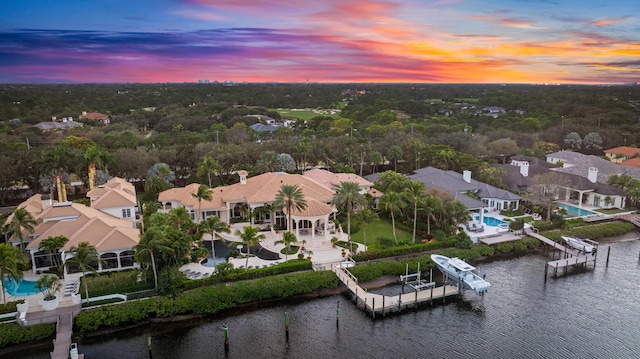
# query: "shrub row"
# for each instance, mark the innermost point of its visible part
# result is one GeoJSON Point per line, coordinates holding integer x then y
{"type": "Point", "coordinates": [369, 271]}
{"type": "Point", "coordinates": [595, 231]}
{"type": "Point", "coordinates": [10, 307]}
{"type": "Point", "coordinates": [205, 300]}
{"type": "Point", "coordinates": [12, 333]}
{"type": "Point", "coordinates": [405, 250]}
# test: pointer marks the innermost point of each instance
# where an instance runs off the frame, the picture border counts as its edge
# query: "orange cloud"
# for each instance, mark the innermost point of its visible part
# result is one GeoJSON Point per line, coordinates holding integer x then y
{"type": "Point", "coordinates": [609, 21]}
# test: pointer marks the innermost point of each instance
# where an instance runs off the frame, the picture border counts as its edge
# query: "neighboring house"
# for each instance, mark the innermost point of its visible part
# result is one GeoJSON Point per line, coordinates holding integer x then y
{"type": "Point", "coordinates": [106, 119]}
{"type": "Point", "coordinates": [459, 185]}
{"type": "Point", "coordinates": [493, 111]}
{"type": "Point", "coordinates": [113, 237]}
{"type": "Point", "coordinates": [55, 125]}
{"type": "Point", "coordinates": [331, 180]}
{"type": "Point", "coordinates": [620, 154]}
{"type": "Point", "coordinates": [521, 169]}
{"type": "Point", "coordinates": [117, 197]}
{"type": "Point", "coordinates": [579, 164]}
{"type": "Point", "coordinates": [633, 162]}
{"type": "Point", "coordinates": [584, 188]}
{"type": "Point", "coordinates": [253, 197]}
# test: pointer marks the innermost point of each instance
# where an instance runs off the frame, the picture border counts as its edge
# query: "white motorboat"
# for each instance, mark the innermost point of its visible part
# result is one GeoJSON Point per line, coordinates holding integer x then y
{"type": "Point", "coordinates": [580, 244]}
{"type": "Point", "coordinates": [462, 272]}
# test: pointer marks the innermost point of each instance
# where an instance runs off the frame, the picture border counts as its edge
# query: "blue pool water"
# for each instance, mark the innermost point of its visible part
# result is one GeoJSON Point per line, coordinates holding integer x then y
{"type": "Point", "coordinates": [575, 210]}
{"type": "Point", "coordinates": [21, 289]}
{"type": "Point", "coordinates": [490, 221]}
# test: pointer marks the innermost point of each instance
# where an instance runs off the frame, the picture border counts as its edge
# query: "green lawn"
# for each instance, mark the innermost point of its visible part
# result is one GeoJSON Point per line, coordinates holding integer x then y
{"type": "Point", "coordinates": [378, 228]}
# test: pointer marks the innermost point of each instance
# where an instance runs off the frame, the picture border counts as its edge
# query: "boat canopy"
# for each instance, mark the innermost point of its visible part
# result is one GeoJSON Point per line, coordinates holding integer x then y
{"type": "Point", "coordinates": [461, 265]}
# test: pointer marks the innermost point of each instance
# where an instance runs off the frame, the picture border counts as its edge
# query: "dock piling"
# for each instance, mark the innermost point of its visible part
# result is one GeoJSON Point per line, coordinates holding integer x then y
{"type": "Point", "coordinates": [338, 312]}
{"type": "Point", "coordinates": [225, 330]}
{"type": "Point", "coordinates": [286, 326]}
{"type": "Point", "coordinates": [149, 347]}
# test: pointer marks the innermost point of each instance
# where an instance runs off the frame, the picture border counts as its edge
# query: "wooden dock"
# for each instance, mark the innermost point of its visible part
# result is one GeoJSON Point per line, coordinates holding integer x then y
{"type": "Point", "coordinates": [569, 256]}
{"type": "Point", "coordinates": [378, 304]}
{"type": "Point", "coordinates": [63, 317]}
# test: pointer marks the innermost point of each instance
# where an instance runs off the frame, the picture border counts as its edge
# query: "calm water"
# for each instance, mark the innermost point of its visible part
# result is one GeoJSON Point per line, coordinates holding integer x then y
{"type": "Point", "coordinates": [587, 314]}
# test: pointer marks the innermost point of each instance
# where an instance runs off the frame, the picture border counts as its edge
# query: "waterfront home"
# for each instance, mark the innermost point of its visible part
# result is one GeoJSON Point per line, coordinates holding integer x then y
{"type": "Point", "coordinates": [109, 226]}
{"type": "Point", "coordinates": [623, 155]}
{"type": "Point", "coordinates": [466, 189]}
{"type": "Point", "coordinates": [583, 188]}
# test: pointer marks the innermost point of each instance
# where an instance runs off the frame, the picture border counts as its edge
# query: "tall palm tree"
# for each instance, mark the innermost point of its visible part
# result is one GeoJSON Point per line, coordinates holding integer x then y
{"type": "Point", "coordinates": [290, 197]}
{"type": "Point", "coordinates": [151, 242]}
{"type": "Point", "coordinates": [347, 196]}
{"type": "Point", "coordinates": [392, 202]}
{"type": "Point", "coordinates": [415, 193]}
{"type": "Point", "coordinates": [366, 215]}
{"type": "Point", "coordinates": [430, 206]}
{"type": "Point", "coordinates": [212, 225]}
{"type": "Point", "coordinates": [10, 262]}
{"type": "Point", "coordinates": [51, 246]}
{"type": "Point", "coordinates": [395, 152]}
{"type": "Point", "coordinates": [203, 193]}
{"type": "Point", "coordinates": [288, 239]}
{"type": "Point", "coordinates": [207, 166]}
{"type": "Point", "coordinates": [19, 221]}
{"type": "Point", "coordinates": [267, 161]}
{"type": "Point", "coordinates": [250, 236]}
{"type": "Point", "coordinates": [86, 258]}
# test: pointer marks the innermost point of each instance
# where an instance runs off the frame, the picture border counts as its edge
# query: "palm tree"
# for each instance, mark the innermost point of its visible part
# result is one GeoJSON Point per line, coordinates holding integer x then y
{"type": "Point", "coordinates": [86, 258]}
{"type": "Point", "coordinates": [10, 262]}
{"type": "Point", "coordinates": [19, 221]}
{"type": "Point", "coordinates": [151, 242]}
{"type": "Point", "coordinates": [415, 193]}
{"type": "Point", "coordinates": [267, 161]}
{"type": "Point", "coordinates": [203, 193]}
{"type": "Point", "coordinates": [392, 202]}
{"type": "Point", "coordinates": [207, 166]}
{"type": "Point", "coordinates": [430, 206]}
{"type": "Point", "coordinates": [250, 237]}
{"type": "Point", "coordinates": [212, 225]}
{"type": "Point", "coordinates": [347, 195]}
{"type": "Point", "coordinates": [288, 238]}
{"type": "Point", "coordinates": [366, 215]}
{"type": "Point", "coordinates": [51, 246]}
{"type": "Point", "coordinates": [395, 152]}
{"type": "Point", "coordinates": [290, 197]}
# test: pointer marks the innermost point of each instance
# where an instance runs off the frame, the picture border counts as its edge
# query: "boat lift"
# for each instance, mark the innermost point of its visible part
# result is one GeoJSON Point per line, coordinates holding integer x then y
{"type": "Point", "coordinates": [418, 284]}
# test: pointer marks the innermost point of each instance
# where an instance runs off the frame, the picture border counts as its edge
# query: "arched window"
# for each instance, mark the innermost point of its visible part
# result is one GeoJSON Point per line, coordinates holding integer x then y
{"type": "Point", "coordinates": [126, 259]}
{"type": "Point", "coordinates": [110, 260]}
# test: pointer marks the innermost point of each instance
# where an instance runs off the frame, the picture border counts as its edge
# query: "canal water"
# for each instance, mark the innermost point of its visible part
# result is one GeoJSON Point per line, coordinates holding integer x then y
{"type": "Point", "coordinates": [593, 313]}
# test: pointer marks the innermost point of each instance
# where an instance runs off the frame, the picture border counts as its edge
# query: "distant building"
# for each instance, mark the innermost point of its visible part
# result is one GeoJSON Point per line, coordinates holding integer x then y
{"type": "Point", "coordinates": [621, 154]}
{"type": "Point", "coordinates": [54, 124]}
{"type": "Point", "coordinates": [105, 119]}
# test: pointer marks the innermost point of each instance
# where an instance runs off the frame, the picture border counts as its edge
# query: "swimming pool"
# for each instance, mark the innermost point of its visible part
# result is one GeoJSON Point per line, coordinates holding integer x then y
{"type": "Point", "coordinates": [23, 288]}
{"type": "Point", "coordinates": [490, 221]}
{"type": "Point", "coordinates": [575, 210]}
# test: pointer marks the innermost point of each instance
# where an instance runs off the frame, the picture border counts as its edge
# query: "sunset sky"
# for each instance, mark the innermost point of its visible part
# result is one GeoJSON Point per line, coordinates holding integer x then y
{"type": "Point", "coordinates": [440, 41]}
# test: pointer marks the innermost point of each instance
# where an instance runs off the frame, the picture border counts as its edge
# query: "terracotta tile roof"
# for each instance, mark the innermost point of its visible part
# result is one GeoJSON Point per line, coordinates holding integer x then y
{"type": "Point", "coordinates": [114, 198]}
{"type": "Point", "coordinates": [634, 162]}
{"type": "Point", "coordinates": [103, 232]}
{"type": "Point", "coordinates": [263, 188]}
{"type": "Point", "coordinates": [624, 150]}
{"type": "Point", "coordinates": [184, 196]}
{"type": "Point", "coordinates": [95, 116]}
{"type": "Point", "coordinates": [314, 209]}
{"type": "Point", "coordinates": [330, 179]}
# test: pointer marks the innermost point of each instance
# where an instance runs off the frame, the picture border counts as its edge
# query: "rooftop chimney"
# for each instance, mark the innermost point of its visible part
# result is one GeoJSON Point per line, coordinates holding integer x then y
{"type": "Point", "coordinates": [524, 169]}
{"type": "Point", "coordinates": [593, 174]}
{"type": "Point", "coordinates": [466, 176]}
{"type": "Point", "coordinates": [243, 176]}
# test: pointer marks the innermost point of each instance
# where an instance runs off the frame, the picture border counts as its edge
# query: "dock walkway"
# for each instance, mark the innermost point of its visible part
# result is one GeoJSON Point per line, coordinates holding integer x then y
{"type": "Point", "coordinates": [63, 317]}
{"type": "Point", "coordinates": [383, 304]}
{"type": "Point", "coordinates": [572, 257]}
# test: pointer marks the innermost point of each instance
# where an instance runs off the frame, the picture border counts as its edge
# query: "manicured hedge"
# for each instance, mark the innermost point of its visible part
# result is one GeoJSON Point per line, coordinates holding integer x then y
{"type": "Point", "coordinates": [10, 307]}
{"type": "Point", "coordinates": [369, 271]}
{"type": "Point", "coordinates": [12, 333]}
{"type": "Point", "coordinates": [403, 251]}
{"type": "Point", "coordinates": [594, 231]}
{"type": "Point", "coordinates": [205, 300]}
